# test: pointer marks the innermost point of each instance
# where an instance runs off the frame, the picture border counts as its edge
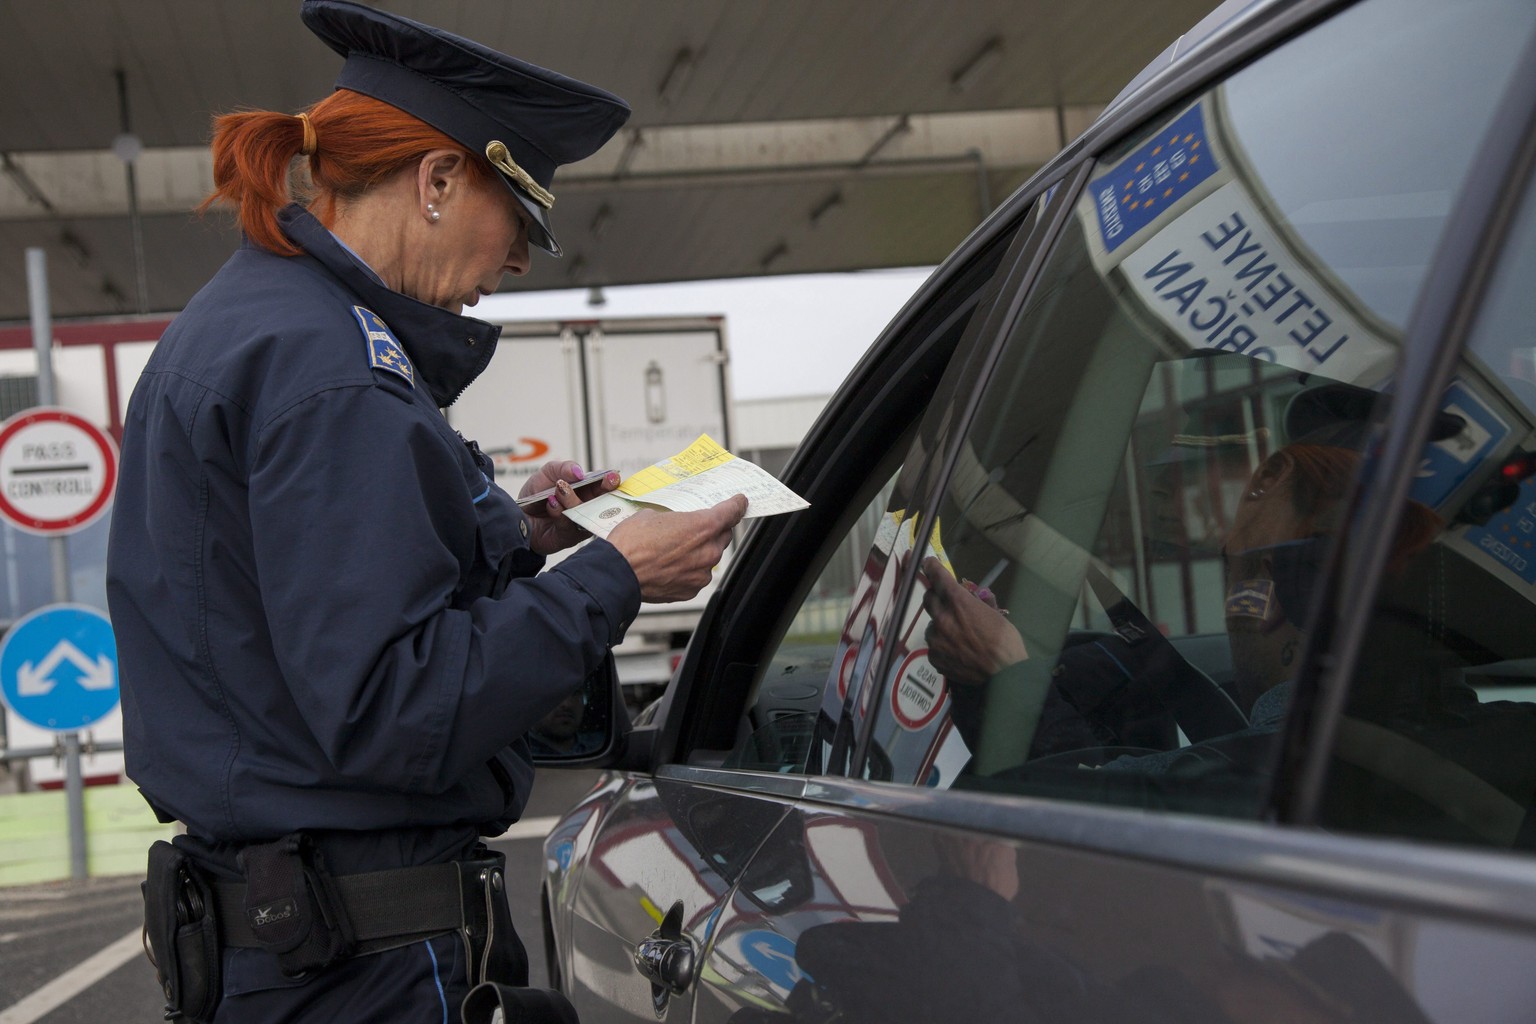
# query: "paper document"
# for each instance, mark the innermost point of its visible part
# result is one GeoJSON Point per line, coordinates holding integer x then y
{"type": "Point", "coordinates": [699, 477]}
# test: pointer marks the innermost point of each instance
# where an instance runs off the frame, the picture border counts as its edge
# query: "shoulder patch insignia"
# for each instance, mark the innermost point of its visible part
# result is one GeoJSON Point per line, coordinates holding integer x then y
{"type": "Point", "coordinates": [384, 352]}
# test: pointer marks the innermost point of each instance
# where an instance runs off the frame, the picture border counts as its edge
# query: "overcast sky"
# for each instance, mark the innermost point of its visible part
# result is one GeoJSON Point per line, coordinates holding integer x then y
{"type": "Point", "coordinates": [789, 335]}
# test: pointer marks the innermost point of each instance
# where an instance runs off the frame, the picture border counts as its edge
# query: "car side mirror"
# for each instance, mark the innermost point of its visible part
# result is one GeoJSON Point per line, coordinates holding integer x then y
{"type": "Point", "coordinates": [587, 729]}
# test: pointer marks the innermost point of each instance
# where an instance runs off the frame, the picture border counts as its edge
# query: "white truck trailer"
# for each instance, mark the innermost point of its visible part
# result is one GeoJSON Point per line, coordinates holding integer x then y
{"type": "Point", "coordinates": [612, 394]}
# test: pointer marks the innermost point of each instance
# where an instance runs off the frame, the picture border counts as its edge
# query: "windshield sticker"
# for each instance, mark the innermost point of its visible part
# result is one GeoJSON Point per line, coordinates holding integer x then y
{"type": "Point", "coordinates": [1146, 185]}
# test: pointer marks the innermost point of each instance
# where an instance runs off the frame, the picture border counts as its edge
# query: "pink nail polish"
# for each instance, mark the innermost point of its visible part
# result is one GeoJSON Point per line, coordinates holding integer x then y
{"type": "Point", "coordinates": [578, 473]}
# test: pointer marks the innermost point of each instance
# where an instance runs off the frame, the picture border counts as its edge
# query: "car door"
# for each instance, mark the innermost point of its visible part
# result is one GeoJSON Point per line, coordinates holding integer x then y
{"type": "Point", "coordinates": [654, 862]}
{"type": "Point", "coordinates": [1066, 747]}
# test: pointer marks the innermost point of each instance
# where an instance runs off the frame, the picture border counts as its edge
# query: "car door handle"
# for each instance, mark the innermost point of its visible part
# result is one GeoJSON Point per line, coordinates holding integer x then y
{"type": "Point", "coordinates": [666, 962]}
{"type": "Point", "coordinates": [666, 957]}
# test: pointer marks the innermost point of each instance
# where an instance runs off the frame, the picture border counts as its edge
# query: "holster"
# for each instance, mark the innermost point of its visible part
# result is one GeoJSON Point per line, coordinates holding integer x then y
{"type": "Point", "coordinates": [182, 930]}
{"type": "Point", "coordinates": [292, 905]}
{"type": "Point", "coordinates": [491, 942]}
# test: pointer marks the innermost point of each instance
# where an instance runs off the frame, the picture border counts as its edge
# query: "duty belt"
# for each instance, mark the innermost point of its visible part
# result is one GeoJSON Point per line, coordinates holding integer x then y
{"type": "Point", "coordinates": [389, 908]}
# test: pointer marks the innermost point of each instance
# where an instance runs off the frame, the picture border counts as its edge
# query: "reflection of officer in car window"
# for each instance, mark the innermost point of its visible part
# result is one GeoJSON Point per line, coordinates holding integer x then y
{"type": "Point", "coordinates": [1271, 558]}
{"type": "Point", "coordinates": [1098, 694]}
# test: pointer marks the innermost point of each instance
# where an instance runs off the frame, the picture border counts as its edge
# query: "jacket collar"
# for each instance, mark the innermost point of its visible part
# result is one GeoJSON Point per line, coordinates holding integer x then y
{"type": "Point", "coordinates": [448, 351]}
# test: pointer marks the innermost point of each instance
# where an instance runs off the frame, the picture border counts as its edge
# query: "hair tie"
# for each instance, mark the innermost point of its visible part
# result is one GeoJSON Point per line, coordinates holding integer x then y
{"type": "Point", "coordinates": [309, 135]}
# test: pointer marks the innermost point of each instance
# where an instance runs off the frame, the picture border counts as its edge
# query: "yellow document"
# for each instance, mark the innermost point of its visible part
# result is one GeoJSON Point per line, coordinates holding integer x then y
{"type": "Point", "coordinates": [702, 455]}
{"type": "Point", "coordinates": [702, 475]}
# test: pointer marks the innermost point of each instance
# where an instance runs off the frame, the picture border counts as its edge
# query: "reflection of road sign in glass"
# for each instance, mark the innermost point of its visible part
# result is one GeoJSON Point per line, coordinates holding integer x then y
{"type": "Point", "coordinates": [58, 667]}
{"type": "Point", "coordinates": [773, 956]}
{"type": "Point", "coordinates": [57, 471]}
{"type": "Point", "coordinates": [919, 691]}
{"type": "Point", "coordinates": [1447, 464]}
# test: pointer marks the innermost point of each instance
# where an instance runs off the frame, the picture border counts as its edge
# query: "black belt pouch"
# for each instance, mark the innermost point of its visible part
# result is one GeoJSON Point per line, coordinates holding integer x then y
{"type": "Point", "coordinates": [183, 934]}
{"type": "Point", "coordinates": [293, 906]}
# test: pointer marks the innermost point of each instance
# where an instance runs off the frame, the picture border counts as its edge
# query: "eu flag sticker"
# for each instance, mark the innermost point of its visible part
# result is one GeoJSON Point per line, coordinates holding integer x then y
{"type": "Point", "coordinates": [384, 352]}
{"type": "Point", "coordinates": [1164, 170]}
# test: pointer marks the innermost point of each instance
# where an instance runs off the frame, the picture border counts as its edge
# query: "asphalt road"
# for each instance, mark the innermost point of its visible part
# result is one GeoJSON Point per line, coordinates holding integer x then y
{"type": "Point", "coordinates": [70, 952]}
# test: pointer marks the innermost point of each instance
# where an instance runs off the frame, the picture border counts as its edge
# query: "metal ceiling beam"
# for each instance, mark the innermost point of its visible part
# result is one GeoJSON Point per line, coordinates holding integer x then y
{"type": "Point", "coordinates": [90, 183]}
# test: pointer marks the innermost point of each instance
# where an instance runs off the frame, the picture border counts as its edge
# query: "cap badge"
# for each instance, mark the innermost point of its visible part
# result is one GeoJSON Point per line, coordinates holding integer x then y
{"type": "Point", "coordinates": [496, 152]}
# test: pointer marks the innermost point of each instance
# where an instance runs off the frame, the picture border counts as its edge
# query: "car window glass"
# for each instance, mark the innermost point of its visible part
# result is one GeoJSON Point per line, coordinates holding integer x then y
{"type": "Point", "coordinates": [801, 700]}
{"type": "Point", "coordinates": [848, 698]}
{"type": "Point", "coordinates": [1438, 740]}
{"type": "Point", "coordinates": [1112, 600]}
{"type": "Point", "coordinates": [783, 714]}
{"type": "Point", "coordinates": [1363, 143]}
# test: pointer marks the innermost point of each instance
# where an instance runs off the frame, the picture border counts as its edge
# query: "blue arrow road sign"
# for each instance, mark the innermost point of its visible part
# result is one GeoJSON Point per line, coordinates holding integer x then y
{"type": "Point", "coordinates": [58, 667]}
{"type": "Point", "coordinates": [773, 956]}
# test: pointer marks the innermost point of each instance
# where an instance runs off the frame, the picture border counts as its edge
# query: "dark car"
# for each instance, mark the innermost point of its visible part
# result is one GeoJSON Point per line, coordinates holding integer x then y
{"type": "Point", "coordinates": [1160, 643]}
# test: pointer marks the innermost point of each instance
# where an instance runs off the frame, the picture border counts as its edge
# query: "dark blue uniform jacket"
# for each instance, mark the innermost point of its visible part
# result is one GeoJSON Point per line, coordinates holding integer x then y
{"type": "Point", "coordinates": [327, 613]}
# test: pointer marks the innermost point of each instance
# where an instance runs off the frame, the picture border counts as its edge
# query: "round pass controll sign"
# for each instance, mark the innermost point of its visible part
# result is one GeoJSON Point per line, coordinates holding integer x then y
{"type": "Point", "coordinates": [57, 471]}
{"type": "Point", "coordinates": [919, 692]}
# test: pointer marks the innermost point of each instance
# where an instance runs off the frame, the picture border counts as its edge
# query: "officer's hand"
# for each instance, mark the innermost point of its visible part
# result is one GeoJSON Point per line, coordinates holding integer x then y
{"type": "Point", "coordinates": [551, 530]}
{"type": "Point", "coordinates": [674, 554]}
{"type": "Point", "coordinates": [969, 640]}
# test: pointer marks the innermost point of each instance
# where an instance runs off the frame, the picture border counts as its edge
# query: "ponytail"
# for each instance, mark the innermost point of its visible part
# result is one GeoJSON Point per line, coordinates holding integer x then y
{"type": "Point", "coordinates": [353, 142]}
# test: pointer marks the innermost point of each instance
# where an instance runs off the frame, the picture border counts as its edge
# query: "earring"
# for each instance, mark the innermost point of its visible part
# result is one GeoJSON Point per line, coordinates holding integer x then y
{"type": "Point", "coordinates": [433, 214]}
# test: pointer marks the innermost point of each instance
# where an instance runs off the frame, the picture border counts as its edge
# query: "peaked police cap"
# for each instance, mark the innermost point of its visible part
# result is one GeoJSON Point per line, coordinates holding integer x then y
{"type": "Point", "coordinates": [525, 120]}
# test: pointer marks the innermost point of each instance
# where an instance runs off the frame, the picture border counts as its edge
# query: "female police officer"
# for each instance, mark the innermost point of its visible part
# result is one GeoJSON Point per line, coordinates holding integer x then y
{"type": "Point", "coordinates": [332, 626]}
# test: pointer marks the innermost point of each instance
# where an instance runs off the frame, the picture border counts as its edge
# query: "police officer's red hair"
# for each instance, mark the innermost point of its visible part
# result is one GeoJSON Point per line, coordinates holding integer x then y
{"type": "Point", "coordinates": [1321, 476]}
{"type": "Point", "coordinates": [359, 142]}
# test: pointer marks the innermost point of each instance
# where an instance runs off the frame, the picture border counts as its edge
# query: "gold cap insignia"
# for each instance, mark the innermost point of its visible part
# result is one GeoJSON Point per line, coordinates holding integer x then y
{"type": "Point", "coordinates": [496, 152]}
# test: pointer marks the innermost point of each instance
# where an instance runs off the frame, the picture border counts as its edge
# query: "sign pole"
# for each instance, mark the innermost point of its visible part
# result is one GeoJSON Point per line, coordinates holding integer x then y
{"type": "Point", "coordinates": [42, 322]}
{"type": "Point", "coordinates": [42, 342]}
{"type": "Point", "coordinates": [74, 803]}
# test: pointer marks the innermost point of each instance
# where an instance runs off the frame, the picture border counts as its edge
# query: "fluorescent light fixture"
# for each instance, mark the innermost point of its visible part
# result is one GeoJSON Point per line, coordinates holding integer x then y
{"type": "Point", "coordinates": [676, 78]}
{"type": "Point", "coordinates": [820, 210]}
{"type": "Point", "coordinates": [600, 220]}
{"type": "Point", "coordinates": [773, 255]}
{"type": "Point", "coordinates": [979, 65]}
{"type": "Point", "coordinates": [627, 155]}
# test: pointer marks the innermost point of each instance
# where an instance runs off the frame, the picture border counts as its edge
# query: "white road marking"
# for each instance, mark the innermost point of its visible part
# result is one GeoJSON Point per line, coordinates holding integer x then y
{"type": "Point", "coordinates": [528, 828]}
{"type": "Point", "coordinates": [74, 981]}
{"type": "Point", "coordinates": [91, 970]}
{"type": "Point", "coordinates": [24, 895]}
